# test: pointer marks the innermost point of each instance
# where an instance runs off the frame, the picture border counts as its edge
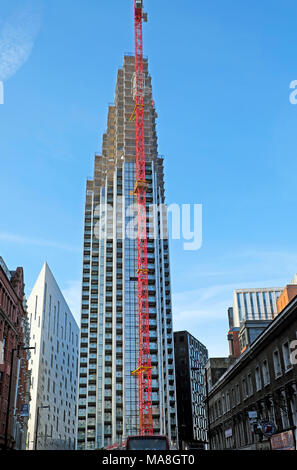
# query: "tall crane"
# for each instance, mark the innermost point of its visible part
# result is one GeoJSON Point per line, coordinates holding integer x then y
{"type": "Point", "coordinates": [143, 370]}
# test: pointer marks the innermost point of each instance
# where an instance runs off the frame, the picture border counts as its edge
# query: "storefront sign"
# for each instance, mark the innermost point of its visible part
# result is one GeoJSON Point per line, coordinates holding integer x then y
{"type": "Point", "coordinates": [283, 441]}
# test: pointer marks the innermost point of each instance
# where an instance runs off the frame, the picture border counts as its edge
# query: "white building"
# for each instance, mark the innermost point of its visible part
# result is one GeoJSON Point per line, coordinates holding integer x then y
{"type": "Point", "coordinates": [54, 365]}
{"type": "Point", "coordinates": [255, 304]}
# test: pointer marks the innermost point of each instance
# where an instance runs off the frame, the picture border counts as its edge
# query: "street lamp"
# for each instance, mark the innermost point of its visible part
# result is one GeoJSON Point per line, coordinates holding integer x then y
{"type": "Point", "coordinates": [20, 348]}
{"type": "Point", "coordinates": [37, 423]}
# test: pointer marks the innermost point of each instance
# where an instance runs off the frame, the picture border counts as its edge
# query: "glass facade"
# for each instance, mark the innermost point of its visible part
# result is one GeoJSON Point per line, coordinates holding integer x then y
{"type": "Point", "coordinates": [108, 393]}
{"type": "Point", "coordinates": [255, 304]}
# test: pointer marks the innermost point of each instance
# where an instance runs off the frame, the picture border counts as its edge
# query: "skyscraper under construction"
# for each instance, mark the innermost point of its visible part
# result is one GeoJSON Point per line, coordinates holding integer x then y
{"type": "Point", "coordinates": [108, 393]}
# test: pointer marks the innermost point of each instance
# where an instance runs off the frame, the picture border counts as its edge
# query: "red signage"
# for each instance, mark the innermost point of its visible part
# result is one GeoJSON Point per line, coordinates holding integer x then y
{"type": "Point", "coordinates": [283, 441]}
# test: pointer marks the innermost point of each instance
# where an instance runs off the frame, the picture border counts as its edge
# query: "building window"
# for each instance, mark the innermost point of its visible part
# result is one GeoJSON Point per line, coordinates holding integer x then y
{"type": "Point", "coordinates": [223, 404]}
{"type": "Point", "coordinates": [239, 307]}
{"type": "Point", "coordinates": [233, 398]}
{"type": "Point", "coordinates": [258, 378]}
{"type": "Point", "coordinates": [265, 305]}
{"type": "Point", "coordinates": [286, 356]}
{"type": "Point", "coordinates": [284, 410]}
{"type": "Point", "coordinates": [244, 389]}
{"type": "Point", "coordinates": [271, 304]}
{"type": "Point", "coordinates": [216, 411]}
{"type": "Point", "coordinates": [277, 364]}
{"type": "Point", "coordinates": [265, 371]}
{"type": "Point", "coordinates": [2, 351]}
{"type": "Point", "coordinates": [228, 406]}
{"type": "Point", "coordinates": [245, 305]}
{"type": "Point", "coordinates": [258, 304]}
{"type": "Point", "coordinates": [252, 304]}
{"type": "Point", "coordinates": [220, 408]}
{"type": "Point", "coordinates": [237, 394]}
{"type": "Point", "coordinates": [250, 388]}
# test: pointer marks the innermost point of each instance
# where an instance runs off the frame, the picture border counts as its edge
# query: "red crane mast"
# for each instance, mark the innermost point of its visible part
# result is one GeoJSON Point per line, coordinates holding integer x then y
{"type": "Point", "coordinates": [144, 358]}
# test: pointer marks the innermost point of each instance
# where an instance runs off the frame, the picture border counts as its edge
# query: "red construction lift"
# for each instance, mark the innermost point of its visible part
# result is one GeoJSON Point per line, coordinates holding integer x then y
{"type": "Point", "coordinates": [143, 370]}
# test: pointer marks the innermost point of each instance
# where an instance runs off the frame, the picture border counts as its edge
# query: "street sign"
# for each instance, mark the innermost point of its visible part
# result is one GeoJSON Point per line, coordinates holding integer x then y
{"type": "Point", "coordinates": [24, 410]}
{"type": "Point", "coordinates": [253, 414]}
{"type": "Point", "coordinates": [268, 428]}
{"type": "Point", "coordinates": [253, 417]}
{"type": "Point", "coordinates": [228, 433]}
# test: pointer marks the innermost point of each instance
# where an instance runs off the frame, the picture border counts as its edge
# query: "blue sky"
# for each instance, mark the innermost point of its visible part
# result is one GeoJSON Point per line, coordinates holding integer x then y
{"type": "Point", "coordinates": [221, 73]}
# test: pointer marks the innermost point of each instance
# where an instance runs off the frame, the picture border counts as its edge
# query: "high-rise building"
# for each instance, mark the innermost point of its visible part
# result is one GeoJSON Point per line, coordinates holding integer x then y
{"type": "Point", "coordinates": [14, 358]}
{"type": "Point", "coordinates": [54, 367]}
{"type": "Point", "coordinates": [108, 393]}
{"type": "Point", "coordinates": [253, 310]}
{"type": "Point", "coordinates": [255, 304]}
{"type": "Point", "coordinates": [190, 359]}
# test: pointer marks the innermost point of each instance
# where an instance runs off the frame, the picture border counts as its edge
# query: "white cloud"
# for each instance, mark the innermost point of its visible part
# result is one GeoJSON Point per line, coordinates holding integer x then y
{"type": "Point", "coordinates": [204, 310]}
{"type": "Point", "coordinates": [72, 294]}
{"type": "Point", "coordinates": [201, 304]}
{"type": "Point", "coordinates": [212, 301]}
{"type": "Point", "coordinates": [17, 39]}
{"type": "Point", "coordinates": [203, 313]}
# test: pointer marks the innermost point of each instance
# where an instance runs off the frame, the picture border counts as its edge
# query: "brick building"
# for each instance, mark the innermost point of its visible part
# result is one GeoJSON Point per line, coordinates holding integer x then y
{"type": "Point", "coordinates": [13, 337]}
{"type": "Point", "coordinates": [289, 292]}
{"type": "Point", "coordinates": [262, 385]}
{"type": "Point", "coordinates": [233, 335]}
